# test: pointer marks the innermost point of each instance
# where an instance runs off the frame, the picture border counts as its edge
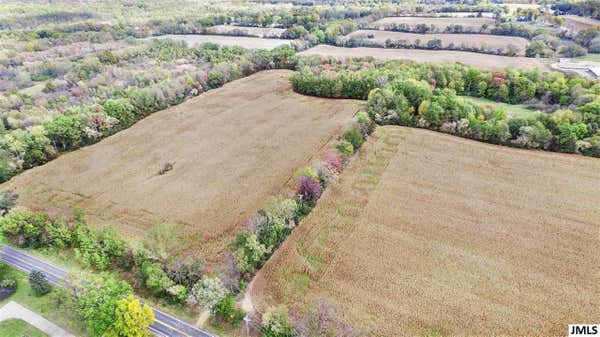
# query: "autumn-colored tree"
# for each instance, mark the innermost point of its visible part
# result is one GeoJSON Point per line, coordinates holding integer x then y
{"type": "Point", "coordinates": [131, 319]}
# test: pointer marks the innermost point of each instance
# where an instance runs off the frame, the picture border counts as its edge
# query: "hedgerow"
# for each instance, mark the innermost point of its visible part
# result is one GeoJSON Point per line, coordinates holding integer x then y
{"type": "Point", "coordinates": [268, 228]}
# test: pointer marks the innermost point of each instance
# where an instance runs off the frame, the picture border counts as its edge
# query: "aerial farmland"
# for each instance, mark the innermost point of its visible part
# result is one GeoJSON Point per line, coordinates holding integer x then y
{"type": "Point", "coordinates": [284, 168]}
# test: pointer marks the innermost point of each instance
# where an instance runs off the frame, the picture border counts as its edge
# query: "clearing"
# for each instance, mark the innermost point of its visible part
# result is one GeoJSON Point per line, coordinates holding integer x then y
{"type": "Point", "coordinates": [250, 31]}
{"type": "Point", "coordinates": [225, 40]}
{"type": "Point", "coordinates": [483, 61]}
{"type": "Point", "coordinates": [472, 24]}
{"type": "Point", "coordinates": [232, 148]}
{"type": "Point", "coordinates": [513, 8]}
{"type": "Point", "coordinates": [427, 232]}
{"type": "Point", "coordinates": [485, 42]}
{"type": "Point", "coordinates": [514, 110]}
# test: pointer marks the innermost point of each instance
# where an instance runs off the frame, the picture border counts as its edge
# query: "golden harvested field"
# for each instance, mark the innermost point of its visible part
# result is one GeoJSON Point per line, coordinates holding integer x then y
{"type": "Point", "coordinates": [478, 60]}
{"type": "Point", "coordinates": [427, 232]}
{"type": "Point", "coordinates": [461, 14]}
{"type": "Point", "coordinates": [232, 148]}
{"type": "Point", "coordinates": [440, 24]}
{"type": "Point", "coordinates": [483, 41]}
{"type": "Point", "coordinates": [251, 31]}
{"type": "Point", "coordinates": [578, 23]}
{"type": "Point", "coordinates": [224, 40]}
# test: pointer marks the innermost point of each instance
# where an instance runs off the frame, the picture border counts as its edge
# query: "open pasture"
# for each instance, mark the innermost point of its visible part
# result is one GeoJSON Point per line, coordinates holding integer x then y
{"type": "Point", "coordinates": [483, 61]}
{"type": "Point", "coordinates": [513, 110]}
{"type": "Point", "coordinates": [440, 23]}
{"type": "Point", "coordinates": [484, 42]}
{"type": "Point", "coordinates": [429, 233]}
{"type": "Point", "coordinates": [224, 40]}
{"type": "Point", "coordinates": [231, 150]}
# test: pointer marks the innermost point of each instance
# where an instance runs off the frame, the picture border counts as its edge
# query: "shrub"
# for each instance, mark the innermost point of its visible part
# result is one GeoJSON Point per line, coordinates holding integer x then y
{"type": "Point", "coordinates": [308, 188]}
{"type": "Point", "coordinates": [177, 293]}
{"type": "Point", "coordinates": [8, 199]}
{"type": "Point", "coordinates": [156, 279]}
{"type": "Point", "coordinates": [365, 123]}
{"type": "Point", "coordinates": [325, 173]}
{"type": "Point", "coordinates": [354, 137]}
{"type": "Point", "coordinates": [303, 209]}
{"type": "Point", "coordinates": [276, 323]}
{"type": "Point", "coordinates": [226, 311]}
{"type": "Point", "coordinates": [208, 292]}
{"type": "Point", "coordinates": [344, 148]}
{"type": "Point", "coordinates": [98, 248]}
{"type": "Point", "coordinates": [8, 286]}
{"type": "Point", "coordinates": [282, 212]}
{"type": "Point", "coordinates": [65, 131]}
{"type": "Point", "coordinates": [308, 172]}
{"type": "Point", "coordinates": [58, 234]}
{"type": "Point", "coordinates": [184, 269]}
{"type": "Point", "coordinates": [332, 160]}
{"type": "Point", "coordinates": [249, 252]}
{"type": "Point", "coordinates": [121, 109]}
{"type": "Point", "coordinates": [38, 282]}
{"type": "Point", "coordinates": [24, 228]}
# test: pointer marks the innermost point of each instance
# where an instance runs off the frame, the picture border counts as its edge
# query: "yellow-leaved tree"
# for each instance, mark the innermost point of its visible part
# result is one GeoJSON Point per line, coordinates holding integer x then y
{"type": "Point", "coordinates": [131, 319]}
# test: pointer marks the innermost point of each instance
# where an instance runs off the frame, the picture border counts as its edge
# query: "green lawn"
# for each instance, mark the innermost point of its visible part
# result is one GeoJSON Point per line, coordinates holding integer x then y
{"type": "Point", "coordinates": [589, 57]}
{"type": "Point", "coordinates": [51, 306]}
{"type": "Point", "coordinates": [514, 110]}
{"type": "Point", "coordinates": [19, 328]}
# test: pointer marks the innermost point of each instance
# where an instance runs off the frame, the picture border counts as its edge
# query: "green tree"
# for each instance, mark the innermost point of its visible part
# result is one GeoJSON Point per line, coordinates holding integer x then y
{"type": "Point", "coordinates": [209, 291]}
{"type": "Point", "coordinates": [569, 134]}
{"type": "Point", "coordinates": [38, 282]}
{"type": "Point", "coordinates": [66, 132]}
{"type": "Point", "coordinates": [538, 49]}
{"type": "Point", "coordinates": [97, 301]}
{"type": "Point", "coordinates": [249, 252]}
{"type": "Point", "coordinates": [24, 228]}
{"type": "Point", "coordinates": [227, 311]}
{"type": "Point", "coordinates": [37, 147]}
{"type": "Point", "coordinates": [131, 319]}
{"type": "Point", "coordinates": [156, 279]}
{"type": "Point", "coordinates": [121, 109]}
{"type": "Point", "coordinates": [432, 114]}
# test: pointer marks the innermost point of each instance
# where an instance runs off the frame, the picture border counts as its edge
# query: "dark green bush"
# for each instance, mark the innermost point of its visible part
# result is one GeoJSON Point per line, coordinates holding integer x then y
{"type": "Point", "coordinates": [226, 311]}
{"type": "Point", "coordinates": [38, 282]}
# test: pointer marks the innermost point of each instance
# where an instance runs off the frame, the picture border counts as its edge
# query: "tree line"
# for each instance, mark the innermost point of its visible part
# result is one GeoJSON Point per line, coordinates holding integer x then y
{"type": "Point", "coordinates": [425, 95]}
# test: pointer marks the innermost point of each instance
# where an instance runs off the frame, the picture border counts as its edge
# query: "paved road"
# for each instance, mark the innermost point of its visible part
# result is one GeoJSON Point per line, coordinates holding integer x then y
{"type": "Point", "coordinates": [164, 324]}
